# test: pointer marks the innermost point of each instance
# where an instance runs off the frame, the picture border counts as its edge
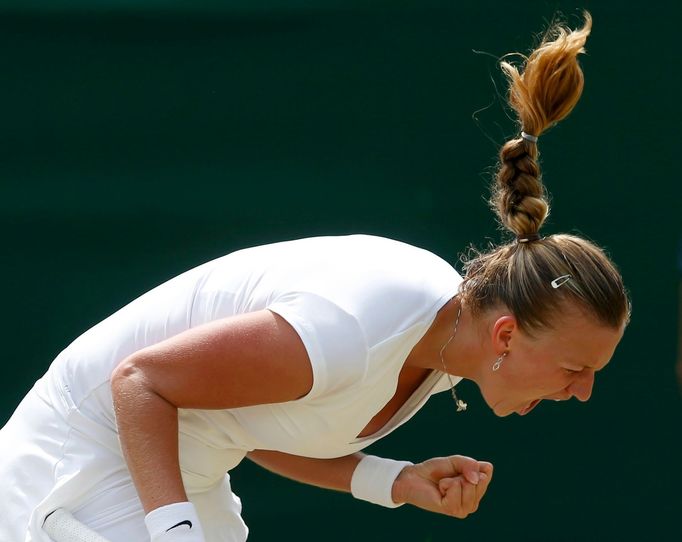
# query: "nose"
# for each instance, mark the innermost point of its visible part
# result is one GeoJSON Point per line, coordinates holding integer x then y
{"type": "Point", "coordinates": [581, 388]}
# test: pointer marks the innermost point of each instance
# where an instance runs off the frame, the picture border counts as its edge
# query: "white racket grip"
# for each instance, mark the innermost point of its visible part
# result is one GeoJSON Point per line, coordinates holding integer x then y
{"type": "Point", "coordinates": [63, 527]}
{"type": "Point", "coordinates": [373, 480]}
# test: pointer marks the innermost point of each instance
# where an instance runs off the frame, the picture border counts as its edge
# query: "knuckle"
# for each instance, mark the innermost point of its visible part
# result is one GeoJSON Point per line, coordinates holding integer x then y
{"type": "Point", "coordinates": [456, 512]}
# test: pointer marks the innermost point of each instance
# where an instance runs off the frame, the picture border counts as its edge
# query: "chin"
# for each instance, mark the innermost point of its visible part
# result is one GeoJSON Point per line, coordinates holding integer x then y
{"type": "Point", "coordinates": [501, 407]}
{"type": "Point", "coordinates": [501, 412]}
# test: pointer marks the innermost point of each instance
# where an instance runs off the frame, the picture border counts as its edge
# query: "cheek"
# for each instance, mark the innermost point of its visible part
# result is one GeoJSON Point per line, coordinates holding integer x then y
{"type": "Point", "coordinates": [554, 382]}
{"type": "Point", "coordinates": [510, 386]}
{"type": "Point", "coordinates": [522, 380]}
{"type": "Point", "coordinates": [535, 379]}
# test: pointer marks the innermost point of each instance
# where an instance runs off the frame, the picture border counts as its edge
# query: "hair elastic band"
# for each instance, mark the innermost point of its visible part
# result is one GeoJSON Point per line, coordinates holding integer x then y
{"type": "Point", "coordinates": [528, 238]}
{"type": "Point", "coordinates": [529, 137]}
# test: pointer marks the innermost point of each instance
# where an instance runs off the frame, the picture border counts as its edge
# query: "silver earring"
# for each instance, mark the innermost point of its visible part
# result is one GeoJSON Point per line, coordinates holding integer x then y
{"type": "Point", "coordinates": [498, 362]}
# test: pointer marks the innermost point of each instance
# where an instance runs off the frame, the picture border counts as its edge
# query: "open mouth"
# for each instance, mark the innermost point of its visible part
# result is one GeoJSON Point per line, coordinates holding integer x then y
{"type": "Point", "coordinates": [530, 407]}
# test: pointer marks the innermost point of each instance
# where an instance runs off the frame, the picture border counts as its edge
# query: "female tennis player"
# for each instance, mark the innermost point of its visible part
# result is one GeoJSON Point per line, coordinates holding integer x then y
{"type": "Point", "coordinates": [300, 354]}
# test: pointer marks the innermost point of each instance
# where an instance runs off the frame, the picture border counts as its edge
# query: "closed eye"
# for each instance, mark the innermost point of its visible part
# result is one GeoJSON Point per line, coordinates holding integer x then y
{"type": "Point", "coordinates": [572, 371]}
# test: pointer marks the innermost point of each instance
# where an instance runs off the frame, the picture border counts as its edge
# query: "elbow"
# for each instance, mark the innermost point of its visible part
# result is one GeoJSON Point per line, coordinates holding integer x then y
{"type": "Point", "coordinates": [124, 369]}
{"type": "Point", "coordinates": [133, 394]}
{"type": "Point", "coordinates": [125, 378]}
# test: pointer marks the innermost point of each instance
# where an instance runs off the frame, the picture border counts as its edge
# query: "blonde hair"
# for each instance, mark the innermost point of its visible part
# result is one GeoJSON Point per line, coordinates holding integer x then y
{"type": "Point", "coordinates": [519, 275]}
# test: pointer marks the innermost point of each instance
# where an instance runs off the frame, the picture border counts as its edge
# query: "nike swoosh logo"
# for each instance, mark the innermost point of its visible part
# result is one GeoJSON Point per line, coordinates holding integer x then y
{"type": "Point", "coordinates": [186, 522]}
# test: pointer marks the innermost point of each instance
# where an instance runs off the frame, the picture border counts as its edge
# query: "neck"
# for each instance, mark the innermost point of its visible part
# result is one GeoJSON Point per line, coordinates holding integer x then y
{"type": "Point", "coordinates": [464, 355]}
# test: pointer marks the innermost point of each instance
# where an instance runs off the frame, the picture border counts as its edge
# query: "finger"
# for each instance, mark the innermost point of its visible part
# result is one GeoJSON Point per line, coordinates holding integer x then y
{"type": "Point", "coordinates": [469, 499]}
{"type": "Point", "coordinates": [465, 465]}
{"type": "Point", "coordinates": [485, 466]}
{"type": "Point", "coordinates": [482, 487]}
{"type": "Point", "coordinates": [486, 476]}
{"type": "Point", "coordinates": [446, 483]}
{"type": "Point", "coordinates": [452, 500]}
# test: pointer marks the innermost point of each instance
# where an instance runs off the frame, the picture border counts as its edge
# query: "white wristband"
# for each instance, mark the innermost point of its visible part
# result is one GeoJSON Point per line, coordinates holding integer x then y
{"type": "Point", "coordinates": [373, 480]}
{"type": "Point", "coordinates": [177, 522]}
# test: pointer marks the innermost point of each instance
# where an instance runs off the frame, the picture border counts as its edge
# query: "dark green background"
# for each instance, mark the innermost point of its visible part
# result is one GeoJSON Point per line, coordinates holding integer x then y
{"type": "Point", "coordinates": [141, 138]}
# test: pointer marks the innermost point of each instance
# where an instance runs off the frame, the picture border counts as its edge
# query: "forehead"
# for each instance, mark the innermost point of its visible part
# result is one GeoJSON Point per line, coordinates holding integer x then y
{"type": "Point", "coordinates": [585, 342]}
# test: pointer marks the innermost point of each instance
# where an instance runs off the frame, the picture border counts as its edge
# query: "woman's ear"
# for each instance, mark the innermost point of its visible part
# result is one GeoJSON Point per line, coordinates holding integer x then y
{"type": "Point", "coordinates": [503, 330]}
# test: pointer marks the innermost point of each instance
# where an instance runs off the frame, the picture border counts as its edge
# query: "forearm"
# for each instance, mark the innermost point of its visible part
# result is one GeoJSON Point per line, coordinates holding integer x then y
{"type": "Point", "coordinates": [148, 432]}
{"type": "Point", "coordinates": [333, 473]}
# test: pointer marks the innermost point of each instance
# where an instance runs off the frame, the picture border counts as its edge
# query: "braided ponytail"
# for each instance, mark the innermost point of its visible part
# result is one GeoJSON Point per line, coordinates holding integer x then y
{"type": "Point", "coordinates": [521, 275]}
{"type": "Point", "coordinates": [542, 94]}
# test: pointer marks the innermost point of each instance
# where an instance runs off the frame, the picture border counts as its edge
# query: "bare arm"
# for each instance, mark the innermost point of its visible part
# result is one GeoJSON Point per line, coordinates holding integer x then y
{"type": "Point", "coordinates": [451, 485]}
{"type": "Point", "coordinates": [213, 366]}
{"type": "Point", "coordinates": [327, 473]}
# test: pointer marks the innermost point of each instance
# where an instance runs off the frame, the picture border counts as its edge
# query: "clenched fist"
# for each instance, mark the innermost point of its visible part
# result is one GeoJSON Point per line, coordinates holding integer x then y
{"type": "Point", "coordinates": [452, 485]}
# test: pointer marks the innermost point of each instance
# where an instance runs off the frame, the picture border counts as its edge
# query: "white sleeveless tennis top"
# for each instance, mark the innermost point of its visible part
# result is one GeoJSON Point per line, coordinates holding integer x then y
{"type": "Point", "coordinates": [359, 303]}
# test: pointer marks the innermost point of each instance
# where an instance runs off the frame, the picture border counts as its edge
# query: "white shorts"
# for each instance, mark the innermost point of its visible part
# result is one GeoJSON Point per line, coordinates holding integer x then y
{"type": "Point", "coordinates": [53, 456]}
